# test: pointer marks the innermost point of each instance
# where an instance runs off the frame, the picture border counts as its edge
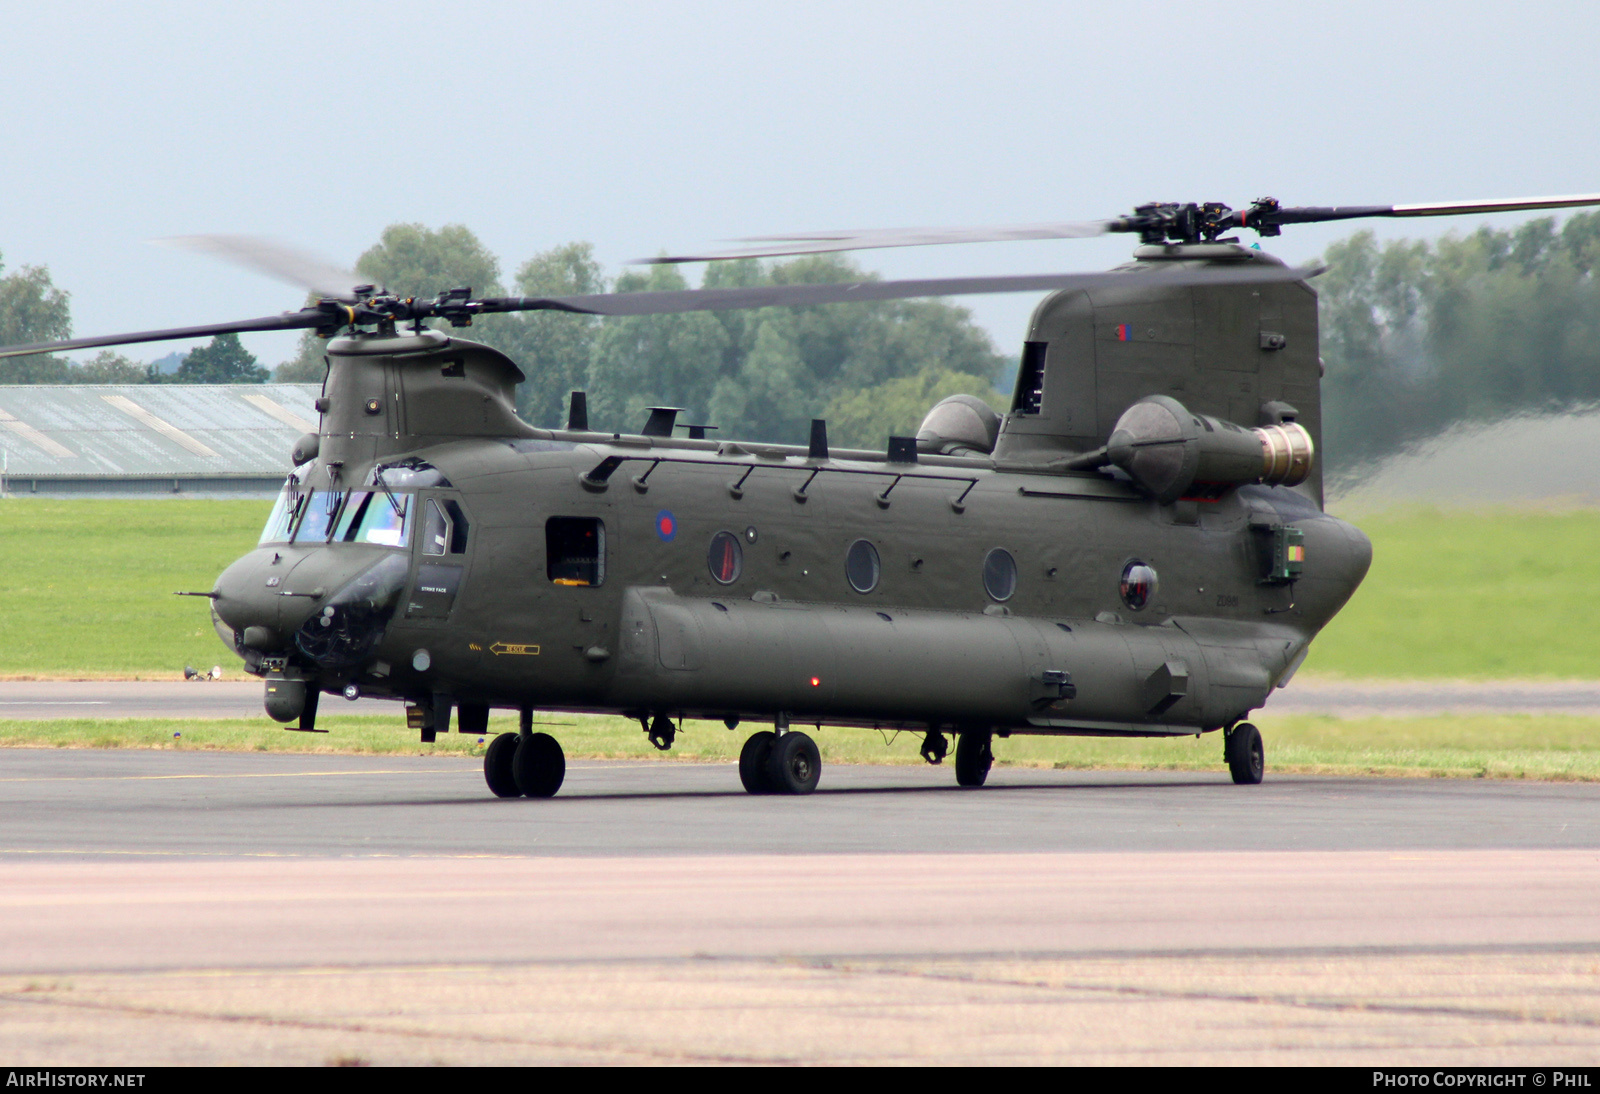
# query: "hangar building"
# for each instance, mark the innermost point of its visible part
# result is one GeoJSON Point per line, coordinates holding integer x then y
{"type": "Point", "coordinates": [151, 440]}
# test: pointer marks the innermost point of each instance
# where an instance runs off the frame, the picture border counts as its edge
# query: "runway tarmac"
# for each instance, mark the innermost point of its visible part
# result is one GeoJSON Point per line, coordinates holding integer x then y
{"type": "Point", "coordinates": [41, 699]}
{"type": "Point", "coordinates": [168, 907]}
{"type": "Point", "coordinates": [216, 804]}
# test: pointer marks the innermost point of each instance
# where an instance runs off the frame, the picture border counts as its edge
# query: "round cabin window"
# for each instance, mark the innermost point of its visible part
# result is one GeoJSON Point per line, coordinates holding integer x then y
{"type": "Point", "coordinates": [726, 558]}
{"type": "Point", "coordinates": [1138, 584]}
{"type": "Point", "coordinates": [1000, 574]}
{"type": "Point", "coordinates": [861, 566]}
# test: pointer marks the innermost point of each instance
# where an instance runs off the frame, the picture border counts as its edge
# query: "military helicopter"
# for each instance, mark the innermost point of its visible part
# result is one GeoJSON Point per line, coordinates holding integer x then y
{"type": "Point", "coordinates": [1137, 548]}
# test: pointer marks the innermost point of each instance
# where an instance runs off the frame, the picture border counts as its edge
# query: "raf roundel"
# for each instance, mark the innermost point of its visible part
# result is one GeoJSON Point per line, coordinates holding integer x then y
{"type": "Point", "coordinates": [666, 525]}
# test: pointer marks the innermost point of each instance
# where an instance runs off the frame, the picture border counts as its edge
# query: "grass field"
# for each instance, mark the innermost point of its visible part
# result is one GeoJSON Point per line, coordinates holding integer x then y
{"type": "Point", "coordinates": [86, 586]}
{"type": "Point", "coordinates": [86, 591]}
{"type": "Point", "coordinates": [1498, 593]}
{"type": "Point", "coordinates": [1541, 747]}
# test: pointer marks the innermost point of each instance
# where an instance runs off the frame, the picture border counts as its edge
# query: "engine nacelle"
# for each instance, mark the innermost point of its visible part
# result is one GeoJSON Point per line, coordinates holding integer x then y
{"type": "Point", "coordinates": [1171, 452]}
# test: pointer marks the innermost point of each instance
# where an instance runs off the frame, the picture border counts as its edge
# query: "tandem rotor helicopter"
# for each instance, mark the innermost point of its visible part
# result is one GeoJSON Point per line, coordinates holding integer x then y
{"type": "Point", "coordinates": [1137, 548]}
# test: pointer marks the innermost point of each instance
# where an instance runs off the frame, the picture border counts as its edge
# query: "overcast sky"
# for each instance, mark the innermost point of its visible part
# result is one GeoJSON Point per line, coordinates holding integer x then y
{"type": "Point", "coordinates": [672, 125]}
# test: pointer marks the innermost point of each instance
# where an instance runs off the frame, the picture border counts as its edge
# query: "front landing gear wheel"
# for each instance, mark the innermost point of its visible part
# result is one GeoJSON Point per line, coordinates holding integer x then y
{"type": "Point", "coordinates": [795, 765]}
{"type": "Point", "coordinates": [1247, 759]}
{"type": "Point", "coordinates": [497, 766]}
{"type": "Point", "coordinates": [539, 765]}
{"type": "Point", "coordinates": [974, 757]}
{"type": "Point", "coordinates": [753, 762]}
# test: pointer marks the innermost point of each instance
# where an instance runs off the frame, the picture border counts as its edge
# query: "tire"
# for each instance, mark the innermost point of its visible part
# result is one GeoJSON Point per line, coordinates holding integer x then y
{"type": "Point", "coordinates": [1247, 758]}
{"type": "Point", "coordinates": [753, 762]}
{"type": "Point", "coordinates": [974, 757]}
{"type": "Point", "coordinates": [497, 770]}
{"type": "Point", "coordinates": [472, 718]}
{"type": "Point", "coordinates": [539, 765]}
{"type": "Point", "coordinates": [795, 765]}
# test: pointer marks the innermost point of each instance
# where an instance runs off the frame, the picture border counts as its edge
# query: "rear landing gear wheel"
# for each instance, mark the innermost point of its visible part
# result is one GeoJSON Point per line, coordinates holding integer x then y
{"type": "Point", "coordinates": [974, 757]}
{"type": "Point", "coordinates": [795, 765]}
{"type": "Point", "coordinates": [1247, 759]}
{"type": "Point", "coordinates": [497, 766]}
{"type": "Point", "coordinates": [753, 762]}
{"type": "Point", "coordinates": [539, 765]}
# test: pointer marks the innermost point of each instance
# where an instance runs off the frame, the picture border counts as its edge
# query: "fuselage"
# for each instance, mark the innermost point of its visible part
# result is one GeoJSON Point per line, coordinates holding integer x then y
{"type": "Point", "coordinates": [649, 575]}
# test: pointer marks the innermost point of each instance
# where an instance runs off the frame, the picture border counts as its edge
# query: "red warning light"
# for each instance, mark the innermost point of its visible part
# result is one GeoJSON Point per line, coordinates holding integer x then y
{"type": "Point", "coordinates": [816, 681]}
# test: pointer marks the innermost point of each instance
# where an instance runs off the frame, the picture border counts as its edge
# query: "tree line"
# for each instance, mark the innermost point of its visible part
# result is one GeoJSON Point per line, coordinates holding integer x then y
{"type": "Point", "coordinates": [1416, 336]}
{"type": "Point", "coordinates": [870, 368]}
{"type": "Point", "coordinates": [762, 374]}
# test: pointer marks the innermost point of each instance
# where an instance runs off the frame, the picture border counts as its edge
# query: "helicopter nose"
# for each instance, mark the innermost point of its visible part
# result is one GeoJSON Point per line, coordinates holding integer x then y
{"type": "Point", "coordinates": [250, 599]}
{"type": "Point", "coordinates": [267, 599]}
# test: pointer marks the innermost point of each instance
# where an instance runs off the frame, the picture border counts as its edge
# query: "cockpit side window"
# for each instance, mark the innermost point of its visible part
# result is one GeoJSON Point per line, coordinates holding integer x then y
{"type": "Point", "coordinates": [436, 530]}
{"type": "Point", "coordinates": [575, 550]}
{"type": "Point", "coordinates": [458, 528]}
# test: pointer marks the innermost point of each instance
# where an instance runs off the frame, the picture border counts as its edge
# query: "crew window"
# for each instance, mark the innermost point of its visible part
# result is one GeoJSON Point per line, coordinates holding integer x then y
{"type": "Point", "coordinates": [435, 531]}
{"type": "Point", "coordinates": [575, 550]}
{"type": "Point", "coordinates": [1138, 584]}
{"type": "Point", "coordinates": [1000, 574]}
{"type": "Point", "coordinates": [353, 508]}
{"type": "Point", "coordinates": [280, 522]}
{"type": "Point", "coordinates": [409, 474]}
{"type": "Point", "coordinates": [861, 566]}
{"type": "Point", "coordinates": [444, 529]}
{"type": "Point", "coordinates": [726, 558]}
{"type": "Point", "coordinates": [374, 518]}
{"type": "Point", "coordinates": [317, 515]}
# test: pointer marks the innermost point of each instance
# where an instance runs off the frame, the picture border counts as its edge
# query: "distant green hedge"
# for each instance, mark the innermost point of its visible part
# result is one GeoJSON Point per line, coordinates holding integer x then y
{"type": "Point", "coordinates": [86, 589]}
{"type": "Point", "coordinates": [1498, 593]}
{"type": "Point", "coordinates": [86, 586]}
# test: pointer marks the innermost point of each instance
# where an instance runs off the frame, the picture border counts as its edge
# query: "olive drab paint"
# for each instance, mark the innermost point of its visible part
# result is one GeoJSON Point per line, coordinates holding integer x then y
{"type": "Point", "coordinates": [1037, 588]}
{"type": "Point", "coordinates": [1137, 548]}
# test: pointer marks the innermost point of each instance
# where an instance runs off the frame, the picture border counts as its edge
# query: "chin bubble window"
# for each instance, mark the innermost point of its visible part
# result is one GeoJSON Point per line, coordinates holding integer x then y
{"type": "Point", "coordinates": [1000, 574]}
{"type": "Point", "coordinates": [1138, 584]}
{"type": "Point", "coordinates": [861, 566]}
{"type": "Point", "coordinates": [726, 558]}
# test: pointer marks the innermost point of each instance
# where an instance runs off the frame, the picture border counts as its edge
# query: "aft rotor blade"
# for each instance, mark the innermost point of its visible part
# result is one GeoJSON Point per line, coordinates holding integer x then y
{"type": "Point", "coordinates": [299, 320]}
{"type": "Point", "coordinates": [808, 243]}
{"type": "Point", "coordinates": [1511, 205]}
{"type": "Point", "coordinates": [799, 296]}
{"type": "Point", "coordinates": [286, 264]}
{"type": "Point", "coordinates": [1312, 214]}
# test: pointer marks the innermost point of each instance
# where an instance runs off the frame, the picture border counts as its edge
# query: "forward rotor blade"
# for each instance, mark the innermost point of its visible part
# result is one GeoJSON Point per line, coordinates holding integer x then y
{"type": "Point", "coordinates": [807, 243]}
{"type": "Point", "coordinates": [331, 316]}
{"type": "Point", "coordinates": [299, 320]}
{"type": "Point", "coordinates": [286, 264]}
{"type": "Point", "coordinates": [799, 296]}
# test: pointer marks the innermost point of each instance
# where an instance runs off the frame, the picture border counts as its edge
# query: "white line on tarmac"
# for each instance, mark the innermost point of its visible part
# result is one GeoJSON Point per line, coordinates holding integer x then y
{"type": "Point", "coordinates": [224, 775]}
